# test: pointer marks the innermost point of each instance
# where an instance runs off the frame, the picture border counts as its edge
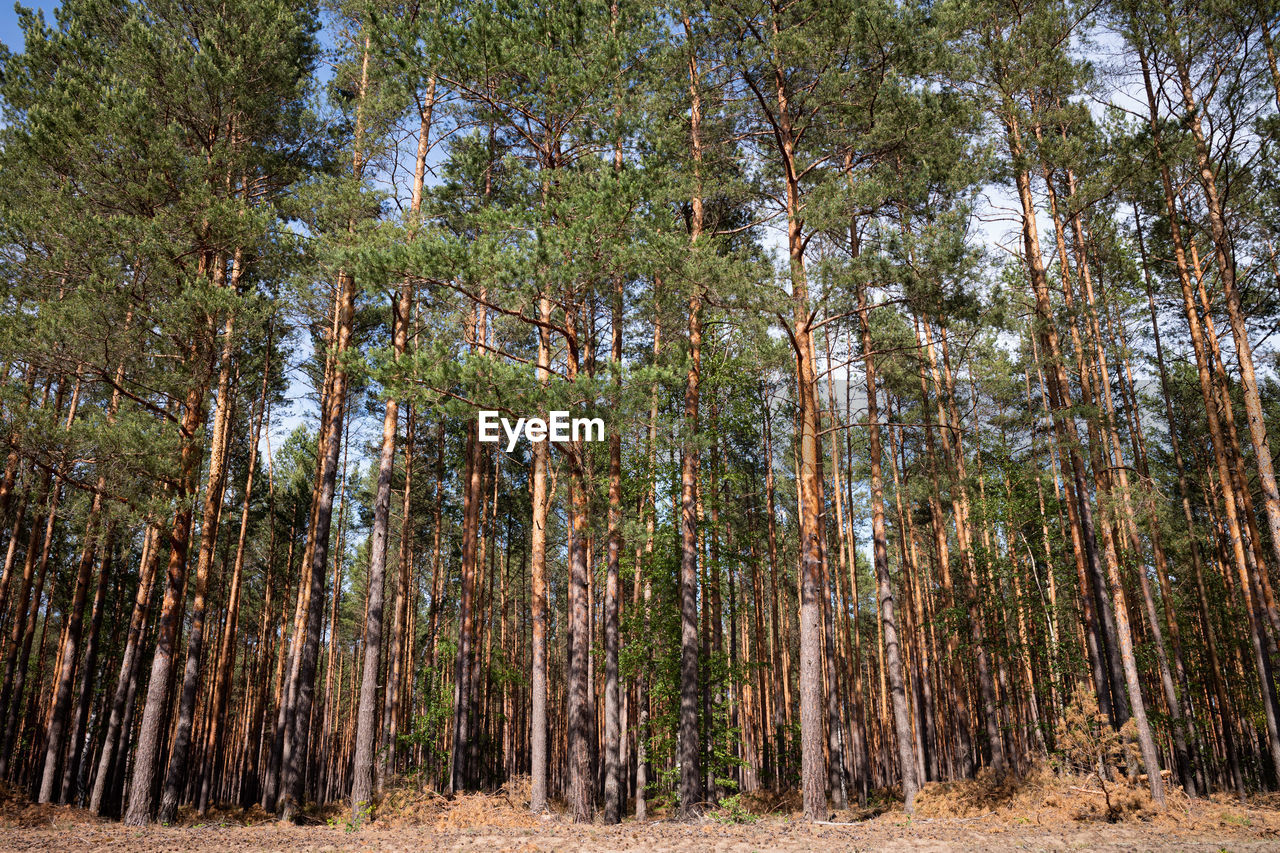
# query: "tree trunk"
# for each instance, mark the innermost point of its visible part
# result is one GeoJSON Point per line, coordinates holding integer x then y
{"type": "Point", "coordinates": [88, 671]}
{"type": "Point", "coordinates": [612, 733]}
{"type": "Point", "coordinates": [294, 757]}
{"type": "Point", "coordinates": [642, 685]}
{"type": "Point", "coordinates": [128, 663]}
{"type": "Point", "coordinates": [366, 716]}
{"type": "Point", "coordinates": [538, 558]}
{"type": "Point", "coordinates": [176, 778]}
{"type": "Point", "coordinates": [884, 585]}
{"type": "Point", "coordinates": [690, 749]}
{"type": "Point", "coordinates": [147, 758]}
{"type": "Point", "coordinates": [226, 647]}
{"type": "Point", "coordinates": [50, 787]}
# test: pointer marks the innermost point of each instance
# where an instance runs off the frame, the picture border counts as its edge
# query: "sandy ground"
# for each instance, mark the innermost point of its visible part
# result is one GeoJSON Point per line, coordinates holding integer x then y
{"type": "Point", "coordinates": [1037, 814]}
{"type": "Point", "coordinates": [885, 833]}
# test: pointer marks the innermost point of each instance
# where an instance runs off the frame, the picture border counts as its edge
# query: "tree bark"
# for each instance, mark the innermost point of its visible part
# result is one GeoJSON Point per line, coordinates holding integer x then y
{"type": "Point", "coordinates": [538, 559]}
{"type": "Point", "coordinates": [884, 585]}
{"type": "Point", "coordinates": [612, 733]}
{"type": "Point", "coordinates": [50, 787]}
{"type": "Point", "coordinates": [366, 715]}
{"type": "Point", "coordinates": [146, 760]}
{"type": "Point", "coordinates": [294, 758]}
{"type": "Point", "coordinates": [176, 778]}
{"type": "Point", "coordinates": [128, 663]}
{"type": "Point", "coordinates": [690, 748]}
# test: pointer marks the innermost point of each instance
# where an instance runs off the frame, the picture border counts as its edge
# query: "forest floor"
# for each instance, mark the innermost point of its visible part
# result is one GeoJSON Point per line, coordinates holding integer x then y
{"type": "Point", "coordinates": [1041, 812]}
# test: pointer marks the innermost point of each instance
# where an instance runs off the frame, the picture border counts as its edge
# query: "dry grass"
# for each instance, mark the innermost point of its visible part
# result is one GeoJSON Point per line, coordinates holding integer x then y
{"type": "Point", "coordinates": [507, 807]}
{"type": "Point", "coordinates": [17, 810]}
{"type": "Point", "coordinates": [1043, 798]}
{"type": "Point", "coordinates": [223, 816]}
{"type": "Point", "coordinates": [772, 802]}
{"type": "Point", "coordinates": [987, 793]}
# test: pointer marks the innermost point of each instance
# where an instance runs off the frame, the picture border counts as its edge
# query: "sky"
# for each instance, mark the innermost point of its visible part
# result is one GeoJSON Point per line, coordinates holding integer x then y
{"type": "Point", "coordinates": [10, 33]}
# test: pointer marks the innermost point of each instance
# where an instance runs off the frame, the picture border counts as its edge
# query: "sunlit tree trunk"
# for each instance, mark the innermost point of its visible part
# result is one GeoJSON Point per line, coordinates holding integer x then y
{"type": "Point", "coordinates": [690, 749]}
{"type": "Point", "coordinates": [884, 586]}
{"type": "Point", "coordinates": [129, 662]}
{"type": "Point", "coordinates": [538, 561]}
{"type": "Point", "coordinates": [147, 757]}
{"type": "Point", "coordinates": [176, 777]}
{"type": "Point", "coordinates": [226, 647]}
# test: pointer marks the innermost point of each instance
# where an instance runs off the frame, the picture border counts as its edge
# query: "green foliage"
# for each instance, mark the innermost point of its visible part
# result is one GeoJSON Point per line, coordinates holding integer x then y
{"type": "Point", "coordinates": [428, 732]}
{"type": "Point", "coordinates": [731, 810]}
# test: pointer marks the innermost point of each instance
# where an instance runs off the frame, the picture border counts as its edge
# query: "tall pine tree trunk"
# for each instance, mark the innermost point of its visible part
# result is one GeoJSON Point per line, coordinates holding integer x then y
{"type": "Point", "coordinates": [690, 747]}
{"type": "Point", "coordinates": [176, 778]}
{"type": "Point", "coordinates": [649, 510]}
{"type": "Point", "coordinates": [884, 585]}
{"type": "Point", "coordinates": [146, 760]}
{"type": "Point", "coordinates": [367, 714]}
{"type": "Point", "coordinates": [226, 645]}
{"type": "Point", "coordinates": [612, 733]}
{"type": "Point", "coordinates": [129, 661]}
{"type": "Point", "coordinates": [538, 558]}
{"type": "Point", "coordinates": [294, 758]}
{"type": "Point", "coordinates": [50, 787]}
